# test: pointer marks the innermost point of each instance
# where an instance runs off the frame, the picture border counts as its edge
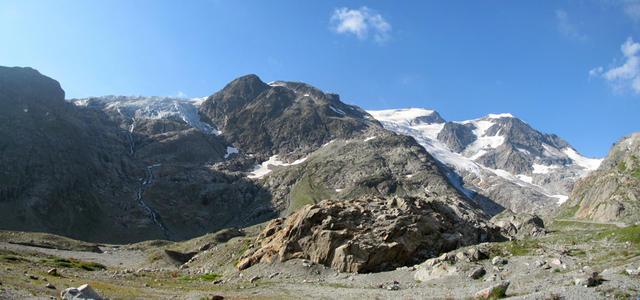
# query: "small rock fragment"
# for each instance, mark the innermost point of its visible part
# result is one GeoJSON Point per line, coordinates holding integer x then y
{"type": "Point", "coordinates": [477, 273]}
{"type": "Point", "coordinates": [494, 292]}
{"type": "Point", "coordinates": [587, 280]}
{"type": "Point", "coordinates": [218, 281]}
{"type": "Point", "coordinates": [50, 286]}
{"type": "Point", "coordinates": [215, 297]}
{"type": "Point", "coordinates": [632, 272]}
{"type": "Point", "coordinates": [555, 261]}
{"type": "Point", "coordinates": [53, 272]}
{"type": "Point", "coordinates": [254, 279]}
{"type": "Point", "coordinates": [34, 277]}
{"type": "Point", "coordinates": [393, 288]}
{"type": "Point", "coordinates": [498, 261]}
{"type": "Point", "coordinates": [274, 275]}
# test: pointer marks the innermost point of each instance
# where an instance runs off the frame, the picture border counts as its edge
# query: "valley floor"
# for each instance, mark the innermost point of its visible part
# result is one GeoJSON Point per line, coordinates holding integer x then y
{"type": "Point", "coordinates": [540, 268]}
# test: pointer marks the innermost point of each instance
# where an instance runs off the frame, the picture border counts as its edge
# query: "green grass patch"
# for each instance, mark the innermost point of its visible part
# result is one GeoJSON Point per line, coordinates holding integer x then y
{"type": "Point", "coordinates": [622, 166]}
{"type": "Point", "coordinates": [304, 192]}
{"type": "Point", "coordinates": [203, 277]}
{"type": "Point", "coordinates": [11, 258]}
{"type": "Point", "coordinates": [628, 234]}
{"type": "Point", "coordinates": [568, 212]}
{"type": "Point", "coordinates": [576, 252]}
{"type": "Point", "coordinates": [74, 263]}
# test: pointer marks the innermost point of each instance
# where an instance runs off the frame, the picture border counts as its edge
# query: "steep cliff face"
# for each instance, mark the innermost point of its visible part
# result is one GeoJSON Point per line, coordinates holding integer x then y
{"type": "Point", "coordinates": [56, 160]}
{"type": "Point", "coordinates": [612, 193]}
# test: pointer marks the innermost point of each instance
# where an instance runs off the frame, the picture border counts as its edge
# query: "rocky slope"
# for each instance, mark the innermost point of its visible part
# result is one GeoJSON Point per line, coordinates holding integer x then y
{"type": "Point", "coordinates": [280, 117]}
{"type": "Point", "coordinates": [498, 157]}
{"type": "Point", "coordinates": [248, 153]}
{"type": "Point", "coordinates": [612, 193]}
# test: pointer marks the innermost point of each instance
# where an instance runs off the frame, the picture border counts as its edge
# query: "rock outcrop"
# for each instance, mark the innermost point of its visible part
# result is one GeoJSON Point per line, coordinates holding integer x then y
{"type": "Point", "coordinates": [519, 226]}
{"type": "Point", "coordinates": [370, 234]}
{"type": "Point", "coordinates": [612, 193]}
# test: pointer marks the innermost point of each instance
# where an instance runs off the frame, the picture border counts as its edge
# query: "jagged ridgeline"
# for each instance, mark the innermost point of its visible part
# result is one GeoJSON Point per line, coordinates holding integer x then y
{"type": "Point", "coordinates": [122, 169]}
{"type": "Point", "coordinates": [498, 157]}
{"type": "Point", "coordinates": [611, 193]}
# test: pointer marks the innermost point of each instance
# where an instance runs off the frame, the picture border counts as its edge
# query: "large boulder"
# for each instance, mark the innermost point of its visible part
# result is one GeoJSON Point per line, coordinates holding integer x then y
{"type": "Point", "coordinates": [369, 234]}
{"type": "Point", "coordinates": [84, 292]}
{"type": "Point", "coordinates": [519, 225]}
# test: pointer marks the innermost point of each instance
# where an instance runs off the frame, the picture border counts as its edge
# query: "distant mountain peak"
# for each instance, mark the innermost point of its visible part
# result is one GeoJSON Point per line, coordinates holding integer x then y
{"type": "Point", "coordinates": [498, 156]}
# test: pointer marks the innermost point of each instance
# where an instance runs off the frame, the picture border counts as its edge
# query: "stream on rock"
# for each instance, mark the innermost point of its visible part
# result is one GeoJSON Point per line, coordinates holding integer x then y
{"type": "Point", "coordinates": [145, 182]}
{"type": "Point", "coordinates": [154, 216]}
{"type": "Point", "coordinates": [131, 141]}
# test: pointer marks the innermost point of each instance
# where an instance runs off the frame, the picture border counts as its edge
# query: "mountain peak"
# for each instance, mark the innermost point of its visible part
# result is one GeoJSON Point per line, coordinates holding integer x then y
{"type": "Point", "coordinates": [248, 86]}
{"type": "Point", "coordinates": [25, 85]}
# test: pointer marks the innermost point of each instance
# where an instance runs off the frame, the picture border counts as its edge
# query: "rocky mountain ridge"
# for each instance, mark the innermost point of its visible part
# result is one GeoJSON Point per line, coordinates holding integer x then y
{"type": "Point", "coordinates": [611, 193]}
{"type": "Point", "coordinates": [248, 153]}
{"type": "Point", "coordinates": [497, 156]}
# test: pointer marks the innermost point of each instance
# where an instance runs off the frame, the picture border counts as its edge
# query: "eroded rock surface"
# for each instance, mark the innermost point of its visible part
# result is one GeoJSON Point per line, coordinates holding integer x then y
{"type": "Point", "coordinates": [370, 234]}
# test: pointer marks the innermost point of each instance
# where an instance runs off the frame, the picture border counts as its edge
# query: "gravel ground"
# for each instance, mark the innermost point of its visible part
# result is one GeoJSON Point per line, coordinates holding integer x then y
{"type": "Point", "coordinates": [546, 271]}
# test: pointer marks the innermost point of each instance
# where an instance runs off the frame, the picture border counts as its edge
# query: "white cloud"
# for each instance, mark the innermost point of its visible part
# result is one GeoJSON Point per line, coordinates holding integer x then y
{"type": "Point", "coordinates": [595, 71]}
{"type": "Point", "coordinates": [181, 94]}
{"type": "Point", "coordinates": [626, 75]}
{"type": "Point", "coordinates": [566, 27]}
{"type": "Point", "coordinates": [360, 22]}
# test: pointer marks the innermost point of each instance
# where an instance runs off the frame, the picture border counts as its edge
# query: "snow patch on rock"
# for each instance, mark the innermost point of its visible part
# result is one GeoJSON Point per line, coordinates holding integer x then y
{"type": "Point", "coordinates": [263, 169]}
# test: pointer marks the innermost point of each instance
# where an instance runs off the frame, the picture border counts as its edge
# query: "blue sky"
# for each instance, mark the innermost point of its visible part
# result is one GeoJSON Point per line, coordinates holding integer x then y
{"type": "Point", "coordinates": [566, 67]}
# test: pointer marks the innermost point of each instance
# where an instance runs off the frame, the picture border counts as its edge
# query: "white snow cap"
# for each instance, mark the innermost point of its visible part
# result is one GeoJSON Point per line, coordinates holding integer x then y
{"type": "Point", "coordinates": [400, 116]}
{"type": "Point", "coordinates": [154, 107]}
{"type": "Point", "coordinates": [498, 116]}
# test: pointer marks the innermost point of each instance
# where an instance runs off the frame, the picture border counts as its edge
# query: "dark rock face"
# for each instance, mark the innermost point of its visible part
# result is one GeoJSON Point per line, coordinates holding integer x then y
{"type": "Point", "coordinates": [456, 136]}
{"type": "Point", "coordinates": [280, 118]}
{"type": "Point", "coordinates": [78, 171]}
{"type": "Point", "coordinates": [382, 166]}
{"type": "Point", "coordinates": [611, 193]}
{"type": "Point", "coordinates": [54, 159]}
{"type": "Point", "coordinates": [429, 119]}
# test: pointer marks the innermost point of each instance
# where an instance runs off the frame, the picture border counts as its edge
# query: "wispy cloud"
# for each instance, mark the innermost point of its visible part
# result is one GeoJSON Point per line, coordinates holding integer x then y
{"type": "Point", "coordinates": [626, 75]}
{"type": "Point", "coordinates": [361, 23]}
{"type": "Point", "coordinates": [631, 8]}
{"type": "Point", "coordinates": [181, 94]}
{"type": "Point", "coordinates": [568, 28]}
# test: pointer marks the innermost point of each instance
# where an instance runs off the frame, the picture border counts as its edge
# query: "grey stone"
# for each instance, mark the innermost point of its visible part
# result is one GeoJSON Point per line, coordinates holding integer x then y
{"type": "Point", "coordinates": [498, 290]}
{"type": "Point", "coordinates": [498, 260]}
{"type": "Point", "coordinates": [477, 273]}
{"type": "Point", "coordinates": [83, 292]}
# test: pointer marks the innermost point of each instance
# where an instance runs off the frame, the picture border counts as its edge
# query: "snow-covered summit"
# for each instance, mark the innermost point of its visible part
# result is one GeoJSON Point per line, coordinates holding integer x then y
{"type": "Point", "coordinates": [407, 116]}
{"type": "Point", "coordinates": [153, 107]}
{"type": "Point", "coordinates": [494, 152]}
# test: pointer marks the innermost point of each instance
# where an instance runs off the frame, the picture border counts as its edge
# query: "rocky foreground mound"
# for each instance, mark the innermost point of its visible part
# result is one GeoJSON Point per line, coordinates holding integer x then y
{"type": "Point", "coordinates": [612, 193]}
{"type": "Point", "coordinates": [371, 234]}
